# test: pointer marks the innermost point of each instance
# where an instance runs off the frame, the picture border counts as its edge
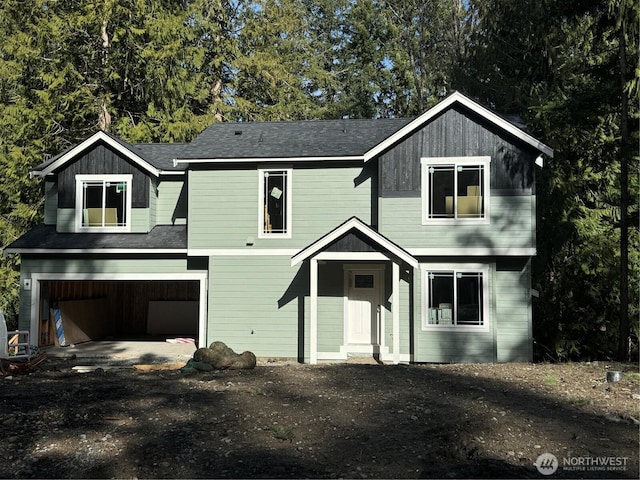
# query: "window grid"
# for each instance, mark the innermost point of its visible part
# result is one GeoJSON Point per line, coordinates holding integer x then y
{"type": "Point", "coordinates": [455, 189]}
{"type": "Point", "coordinates": [274, 216]}
{"type": "Point", "coordinates": [103, 203]}
{"type": "Point", "coordinates": [447, 313]}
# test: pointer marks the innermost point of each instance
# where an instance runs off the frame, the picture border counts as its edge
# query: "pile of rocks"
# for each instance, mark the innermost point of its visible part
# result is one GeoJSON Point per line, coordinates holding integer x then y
{"type": "Point", "coordinates": [219, 357]}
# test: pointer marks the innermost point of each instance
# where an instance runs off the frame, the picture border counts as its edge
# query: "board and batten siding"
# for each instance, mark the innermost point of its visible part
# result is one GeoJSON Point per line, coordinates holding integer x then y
{"type": "Point", "coordinates": [101, 160]}
{"type": "Point", "coordinates": [223, 206]}
{"type": "Point", "coordinates": [458, 132]}
{"type": "Point", "coordinates": [512, 225]}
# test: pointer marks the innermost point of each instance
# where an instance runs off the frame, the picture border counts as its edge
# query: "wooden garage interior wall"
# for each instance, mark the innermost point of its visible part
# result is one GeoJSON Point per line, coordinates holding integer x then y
{"type": "Point", "coordinates": [128, 301]}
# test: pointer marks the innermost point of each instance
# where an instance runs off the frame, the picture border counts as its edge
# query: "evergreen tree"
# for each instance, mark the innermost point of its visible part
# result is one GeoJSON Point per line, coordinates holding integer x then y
{"type": "Point", "coordinates": [148, 70]}
{"type": "Point", "coordinates": [278, 74]}
{"type": "Point", "coordinates": [562, 60]}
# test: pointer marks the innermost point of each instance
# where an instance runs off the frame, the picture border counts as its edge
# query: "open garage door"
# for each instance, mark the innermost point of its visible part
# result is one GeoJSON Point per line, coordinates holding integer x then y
{"type": "Point", "coordinates": [122, 309]}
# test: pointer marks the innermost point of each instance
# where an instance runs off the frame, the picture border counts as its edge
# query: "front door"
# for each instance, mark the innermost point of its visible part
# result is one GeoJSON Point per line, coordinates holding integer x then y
{"type": "Point", "coordinates": [363, 301]}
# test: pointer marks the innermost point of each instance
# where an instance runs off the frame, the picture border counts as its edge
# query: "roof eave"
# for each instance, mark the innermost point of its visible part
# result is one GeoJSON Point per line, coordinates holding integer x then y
{"type": "Point", "coordinates": [319, 158]}
{"type": "Point", "coordinates": [95, 251]}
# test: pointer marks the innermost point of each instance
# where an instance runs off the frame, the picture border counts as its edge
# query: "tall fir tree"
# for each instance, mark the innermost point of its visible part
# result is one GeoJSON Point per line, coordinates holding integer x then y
{"type": "Point", "coordinates": [557, 64]}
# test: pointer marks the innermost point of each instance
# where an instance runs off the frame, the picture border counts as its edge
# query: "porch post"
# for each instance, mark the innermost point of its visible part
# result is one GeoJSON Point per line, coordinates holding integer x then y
{"type": "Point", "coordinates": [395, 309]}
{"type": "Point", "coordinates": [313, 316]}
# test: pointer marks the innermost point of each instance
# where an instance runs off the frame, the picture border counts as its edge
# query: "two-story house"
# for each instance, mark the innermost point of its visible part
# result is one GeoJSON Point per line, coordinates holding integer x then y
{"type": "Point", "coordinates": [407, 239]}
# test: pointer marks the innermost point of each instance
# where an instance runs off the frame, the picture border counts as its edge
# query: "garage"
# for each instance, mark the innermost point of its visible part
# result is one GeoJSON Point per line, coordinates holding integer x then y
{"type": "Point", "coordinates": [68, 310]}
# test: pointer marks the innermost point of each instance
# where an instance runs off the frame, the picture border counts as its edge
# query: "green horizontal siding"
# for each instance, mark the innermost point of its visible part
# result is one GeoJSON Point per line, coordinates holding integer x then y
{"type": "Point", "coordinates": [153, 203]}
{"type": "Point", "coordinates": [330, 307]}
{"type": "Point", "coordinates": [405, 314]}
{"type": "Point", "coordinates": [95, 265]}
{"type": "Point", "coordinates": [513, 313]}
{"type": "Point", "coordinates": [511, 225]}
{"type": "Point", "coordinates": [223, 206]}
{"type": "Point", "coordinates": [169, 209]}
{"type": "Point", "coordinates": [140, 220]}
{"type": "Point", "coordinates": [451, 346]}
{"type": "Point", "coordinates": [255, 304]}
{"type": "Point", "coordinates": [66, 220]}
{"type": "Point", "coordinates": [50, 202]}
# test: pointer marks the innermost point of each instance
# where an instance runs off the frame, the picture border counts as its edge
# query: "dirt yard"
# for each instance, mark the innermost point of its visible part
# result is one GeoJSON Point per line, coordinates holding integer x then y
{"type": "Point", "coordinates": [326, 421]}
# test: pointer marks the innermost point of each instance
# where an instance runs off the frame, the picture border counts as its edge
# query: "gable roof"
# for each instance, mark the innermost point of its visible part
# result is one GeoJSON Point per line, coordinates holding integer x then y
{"type": "Point", "coordinates": [309, 140]}
{"type": "Point", "coordinates": [357, 225]}
{"type": "Point", "coordinates": [458, 98]}
{"type": "Point", "coordinates": [155, 158]}
{"type": "Point", "coordinates": [314, 140]}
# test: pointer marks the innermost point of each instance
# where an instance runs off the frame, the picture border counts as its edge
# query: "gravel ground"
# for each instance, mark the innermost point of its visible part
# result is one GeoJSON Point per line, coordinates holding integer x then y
{"type": "Point", "coordinates": [328, 421]}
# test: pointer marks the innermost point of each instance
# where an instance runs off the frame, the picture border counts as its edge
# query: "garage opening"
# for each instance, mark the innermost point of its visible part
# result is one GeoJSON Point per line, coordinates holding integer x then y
{"type": "Point", "coordinates": [136, 310]}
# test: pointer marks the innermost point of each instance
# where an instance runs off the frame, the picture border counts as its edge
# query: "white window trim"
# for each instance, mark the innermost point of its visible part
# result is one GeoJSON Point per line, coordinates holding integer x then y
{"type": "Point", "coordinates": [425, 162]}
{"type": "Point", "coordinates": [486, 295]}
{"type": "Point", "coordinates": [288, 193]}
{"type": "Point", "coordinates": [128, 179]}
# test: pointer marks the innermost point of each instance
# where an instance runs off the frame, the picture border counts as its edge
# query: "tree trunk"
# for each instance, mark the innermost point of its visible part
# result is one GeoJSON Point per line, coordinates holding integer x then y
{"type": "Point", "coordinates": [623, 329]}
{"type": "Point", "coordinates": [104, 118]}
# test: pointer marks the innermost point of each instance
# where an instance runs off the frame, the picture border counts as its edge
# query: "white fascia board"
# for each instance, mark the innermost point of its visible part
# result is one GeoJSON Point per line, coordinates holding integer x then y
{"type": "Point", "coordinates": [172, 172]}
{"type": "Point", "coordinates": [473, 252]}
{"type": "Point", "coordinates": [354, 158]}
{"type": "Point", "coordinates": [241, 252]}
{"type": "Point", "coordinates": [352, 256]}
{"type": "Point", "coordinates": [312, 249]}
{"type": "Point", "coordinates": [120, 276]}
{"type": "Point", "coordinates": [95, 251]}
{"type": "Point", "coordinates": [445, 104]}
{"type": "Point", "coordinates": [96, 137]}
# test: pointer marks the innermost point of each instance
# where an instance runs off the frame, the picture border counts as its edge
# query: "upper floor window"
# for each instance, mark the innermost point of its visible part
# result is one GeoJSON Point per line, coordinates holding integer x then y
{"type": "Point", "coordinates": [274, 210]}
{"type": "Point", "coordinates": [103, 203]}
{"type": "Point", "coordinates": [455, 189]}
{"type": "Point", "coordinates": [456, 298]}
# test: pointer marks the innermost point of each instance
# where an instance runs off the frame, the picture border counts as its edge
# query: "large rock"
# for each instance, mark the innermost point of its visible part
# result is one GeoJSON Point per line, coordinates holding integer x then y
{"type": "Point", "coordinates": [219, 356]}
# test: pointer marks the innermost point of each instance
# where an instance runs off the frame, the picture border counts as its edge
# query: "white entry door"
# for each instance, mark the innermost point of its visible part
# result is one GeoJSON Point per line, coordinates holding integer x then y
{"type": "Point", "coordinates": [362, 310]}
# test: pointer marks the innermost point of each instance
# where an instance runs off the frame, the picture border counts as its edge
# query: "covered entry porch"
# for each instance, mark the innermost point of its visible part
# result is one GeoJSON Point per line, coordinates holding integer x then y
{"type": "Point", "coordinates": [362, 270]}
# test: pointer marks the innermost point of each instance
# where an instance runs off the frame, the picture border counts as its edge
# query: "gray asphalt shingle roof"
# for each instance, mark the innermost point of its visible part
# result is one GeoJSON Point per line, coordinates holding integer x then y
{"type": "Point", "coordinates": [45, 237]}
{"type": "Point", "coordinates": [310, 138]}
{"type": "Point", "coordinates": [160, 155]}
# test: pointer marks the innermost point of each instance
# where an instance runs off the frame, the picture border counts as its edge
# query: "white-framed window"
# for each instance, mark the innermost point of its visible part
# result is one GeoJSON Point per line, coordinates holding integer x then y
{"type": "Point", "coordinates": [103, 203]}
{"type": "Point", "coordinates": [274, 203]}
{"type": "Point", "coordinates": [455, 190]}
{"type": "Point", "coordinates": [455, 297]}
